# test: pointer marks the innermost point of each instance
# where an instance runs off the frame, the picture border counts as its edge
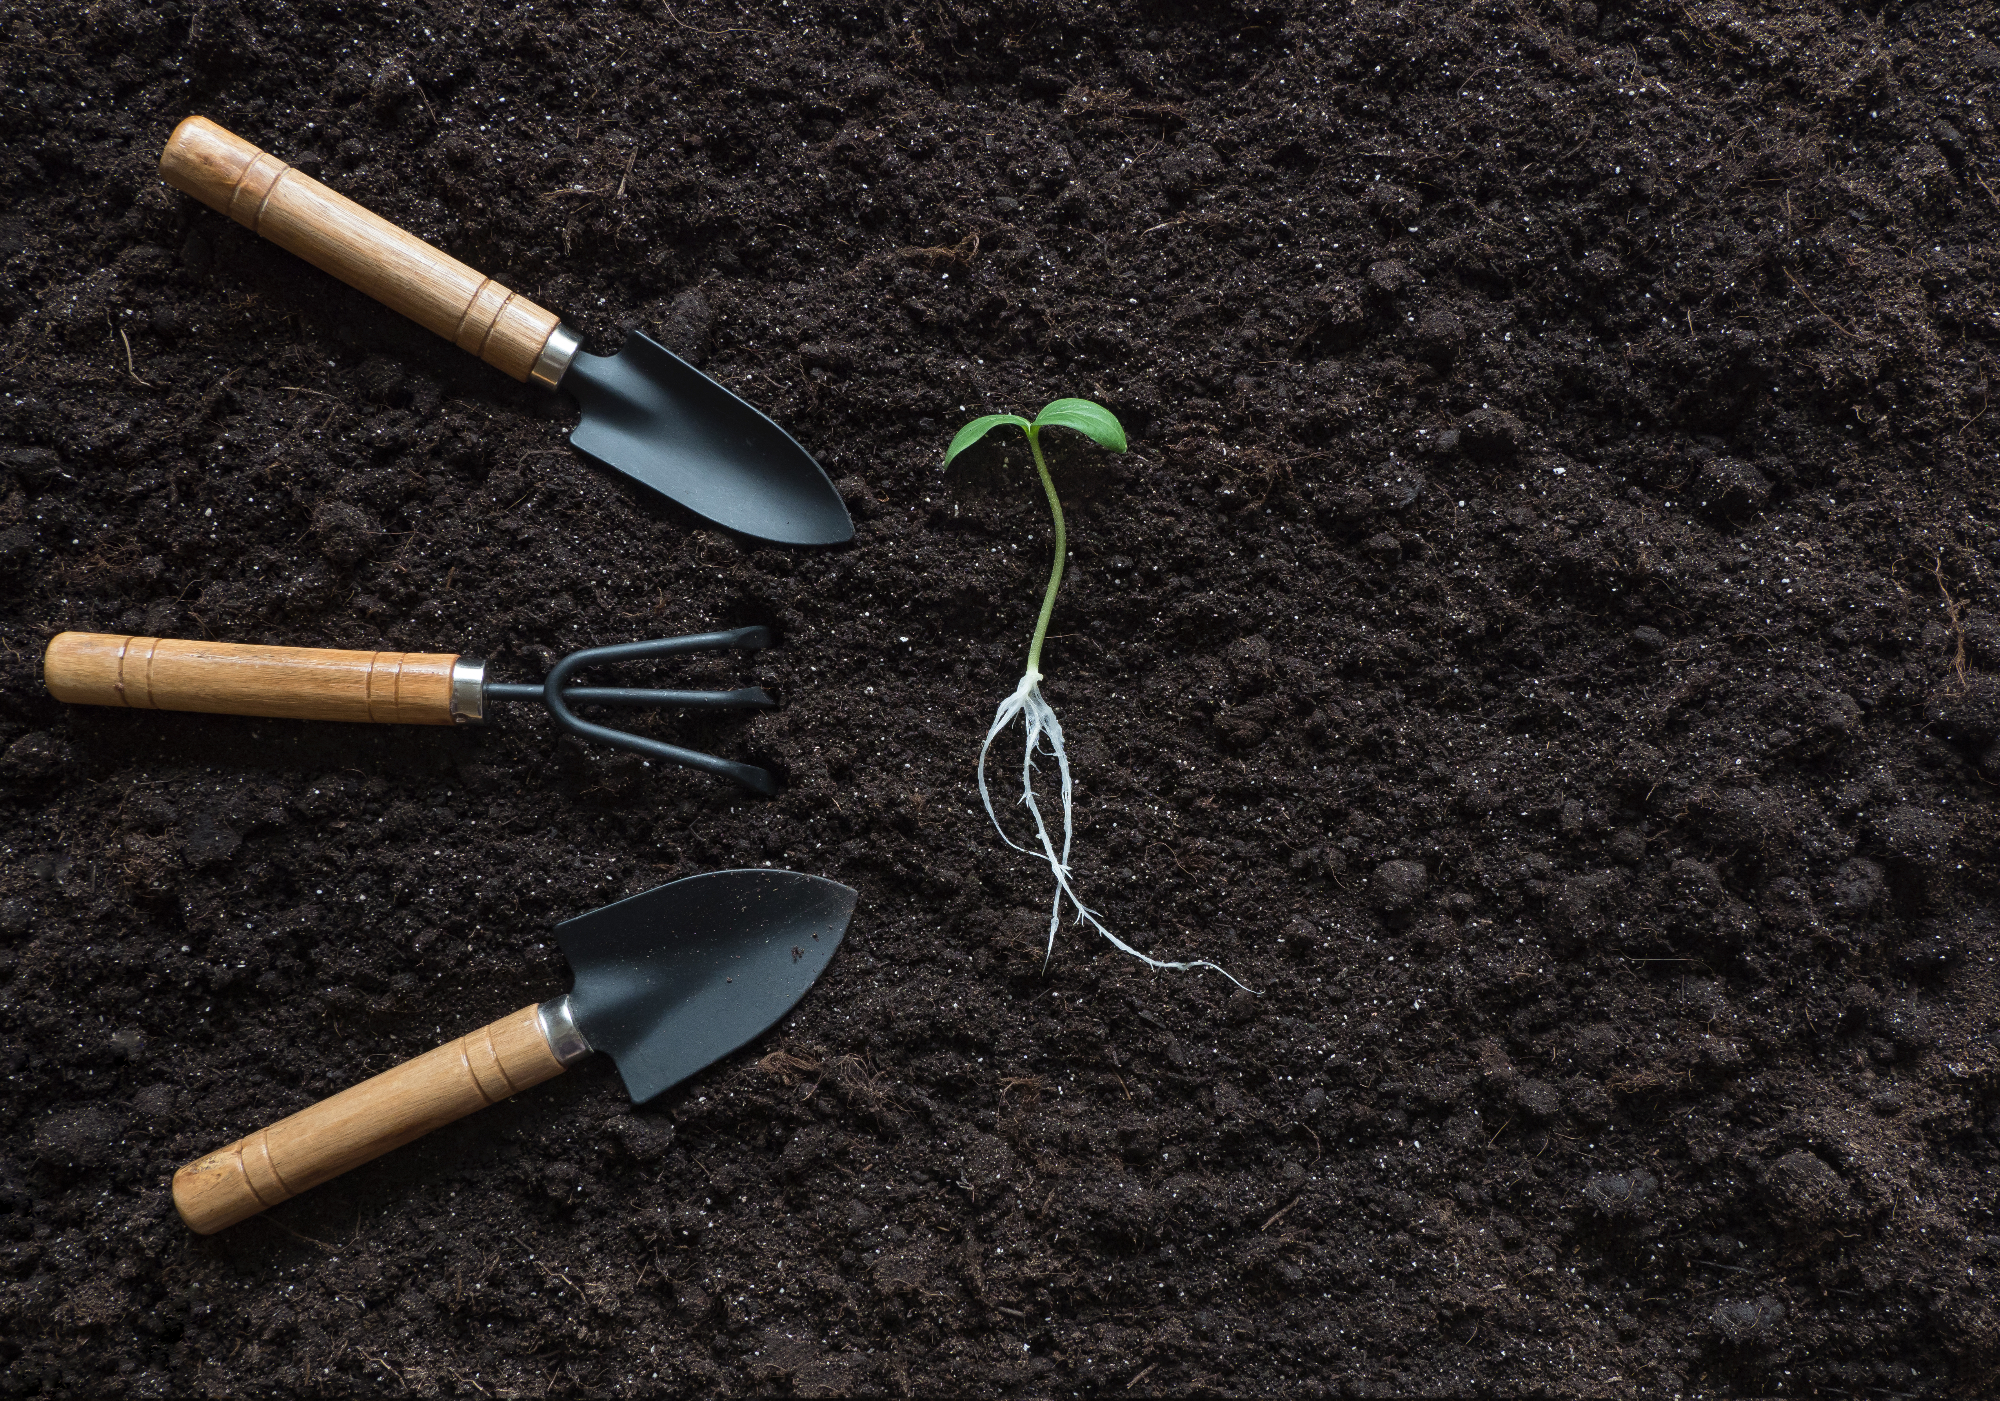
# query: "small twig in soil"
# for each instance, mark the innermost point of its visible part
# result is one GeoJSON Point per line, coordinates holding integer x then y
{"type": "Point", "coordinates": [1985, 403]}
{"type": "Point", "coordinates": [1176, 858]}
{"type": "Point", "coordinates": [581, 1292]}
{"type": "Point", "coordinates": [1954, 613]}
{"type": "Point", "coordinates": [299, 1235]}
{"type": "Point", "coordinates": [390, 1368]}
{"type": "Point", "coordinates": [130, 369]}
{"type": "Point", "coordinates": [1822, 310]}
{"type": "Point", "coordinates": [1145, 1373]}
{"type": "Point", "coordinates": [716, 33]}
{"type": "Point", "coordinates": [1272, 1220]}
{"type": "Point", "coordinates": [790, 1069]}
{"type": "Point", "coordinates": [1030, 1087]}
{"type": "Point", "coordinates": [1319, 1150]}
{"type": "Point", "coordinates": [960, 254]}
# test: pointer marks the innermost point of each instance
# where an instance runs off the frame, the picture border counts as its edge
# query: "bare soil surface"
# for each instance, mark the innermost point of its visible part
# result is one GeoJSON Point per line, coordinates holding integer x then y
{"type": "Point", "coordinates": [1543, 640]}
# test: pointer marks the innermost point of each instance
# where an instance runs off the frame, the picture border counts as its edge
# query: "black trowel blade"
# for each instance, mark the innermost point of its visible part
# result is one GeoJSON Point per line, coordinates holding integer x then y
{"type": "Point", "coordinates": [659, 420]}
{"type": "Point", "coordinates": [672, 980]}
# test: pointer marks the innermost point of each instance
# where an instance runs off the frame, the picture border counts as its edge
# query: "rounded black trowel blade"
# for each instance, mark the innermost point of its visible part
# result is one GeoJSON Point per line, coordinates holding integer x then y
{"type": "Point", "coordinates": [674, 979]}
{"type": "Point", "coordinates": [659, 420]}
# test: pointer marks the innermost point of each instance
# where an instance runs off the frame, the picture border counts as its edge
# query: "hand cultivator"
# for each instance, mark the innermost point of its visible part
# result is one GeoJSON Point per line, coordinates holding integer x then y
{"type": "Point", "coordinates": [409, 688]}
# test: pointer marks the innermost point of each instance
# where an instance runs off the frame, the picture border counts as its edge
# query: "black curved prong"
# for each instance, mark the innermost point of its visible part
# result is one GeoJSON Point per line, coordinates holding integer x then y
{"type": "Point", "coordinates": [632, 697]}
{"type": "Point", "coordinates": [734, 640]}
{"type": "Point", "coordinates": [558, 697]}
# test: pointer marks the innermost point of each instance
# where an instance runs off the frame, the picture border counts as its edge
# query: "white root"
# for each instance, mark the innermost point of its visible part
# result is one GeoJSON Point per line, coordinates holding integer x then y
{"type": "Point", "coordinates": [1040, 720]}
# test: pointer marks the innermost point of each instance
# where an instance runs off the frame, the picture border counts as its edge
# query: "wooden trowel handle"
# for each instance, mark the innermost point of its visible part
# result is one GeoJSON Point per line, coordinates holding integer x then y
{"type": "Point", "coordinates": [227, 678]}
{"type": "Point", "coordinates": [364, 250]}
{"type": "Point", "coordinates": [359, 1124]}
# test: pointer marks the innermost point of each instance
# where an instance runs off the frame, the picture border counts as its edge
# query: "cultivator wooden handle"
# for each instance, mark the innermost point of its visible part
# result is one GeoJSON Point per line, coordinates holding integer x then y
{"type": "Point", "coordinates": [362, 249]}
{"type": "Point", "coordinates": [226, 678]}
{"type": "Point", "coordinates": [360, 1124]}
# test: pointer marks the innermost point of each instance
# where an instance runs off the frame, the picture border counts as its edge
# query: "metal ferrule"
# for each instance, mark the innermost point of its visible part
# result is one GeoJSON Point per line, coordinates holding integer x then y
{"type": "Point", "coordinates": [565, 1039]}
{"type": "Point", "coordinates": [468, 690]}
{"type": "Point", "coordinates": [557, 351]}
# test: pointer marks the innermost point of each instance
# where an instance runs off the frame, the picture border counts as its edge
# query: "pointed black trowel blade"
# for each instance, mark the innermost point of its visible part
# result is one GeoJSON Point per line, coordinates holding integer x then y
{"type": "Point", "coordinates": [659, 420]}
{"type": "Point", "coordinates": [672, 980]}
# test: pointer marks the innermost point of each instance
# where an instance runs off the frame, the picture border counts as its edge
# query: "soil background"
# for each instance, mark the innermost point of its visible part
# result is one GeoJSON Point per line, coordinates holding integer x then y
{"type": "Point", "coordinates": [1542, 640]}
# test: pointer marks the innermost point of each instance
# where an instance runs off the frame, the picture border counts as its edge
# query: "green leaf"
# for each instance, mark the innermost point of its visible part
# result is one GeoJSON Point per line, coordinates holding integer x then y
{"type": "Point", "coordinates": [1094, 421]}
{"type": "Point", "coordinates": [979, 428]}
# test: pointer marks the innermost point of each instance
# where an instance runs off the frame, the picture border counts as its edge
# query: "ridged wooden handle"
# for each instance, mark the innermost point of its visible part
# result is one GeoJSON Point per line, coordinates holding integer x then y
{"type": "Point", "coordinates": [227, 678]}
{"type": "Point", "coordinates": [360, 1124]}
{"type": "Point", "coordinates": [364, 250]}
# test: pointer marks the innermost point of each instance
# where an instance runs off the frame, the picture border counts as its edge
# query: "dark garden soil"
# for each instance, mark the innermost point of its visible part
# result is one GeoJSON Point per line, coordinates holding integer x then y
{"type": "Point", "coordinates": [1543, 639]}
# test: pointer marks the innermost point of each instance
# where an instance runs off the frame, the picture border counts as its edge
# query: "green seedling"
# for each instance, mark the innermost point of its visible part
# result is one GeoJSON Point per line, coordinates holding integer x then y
{"type": "Point", "coordinates": [1044, 731]}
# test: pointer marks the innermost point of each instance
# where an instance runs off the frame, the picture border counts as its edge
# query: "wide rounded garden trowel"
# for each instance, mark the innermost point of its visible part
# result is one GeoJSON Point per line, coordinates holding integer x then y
{"type": "Point", "coordinates": [646, 412]}
{"type": "Point", "coordinates": [667, 982]}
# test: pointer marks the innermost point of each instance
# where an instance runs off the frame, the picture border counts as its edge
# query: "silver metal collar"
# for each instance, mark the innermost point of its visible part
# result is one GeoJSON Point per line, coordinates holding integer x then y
{"type": "Point", "coordinates": [557, 351]}
{"type": "Point", "coordinates": [565, 1039]}
{"type": "Point", "coordinates": [468, 690]}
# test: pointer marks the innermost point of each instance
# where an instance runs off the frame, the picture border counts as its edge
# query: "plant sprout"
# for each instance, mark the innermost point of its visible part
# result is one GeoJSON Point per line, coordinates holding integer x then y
{"type": "Point", "coordinates": [1044, 730]}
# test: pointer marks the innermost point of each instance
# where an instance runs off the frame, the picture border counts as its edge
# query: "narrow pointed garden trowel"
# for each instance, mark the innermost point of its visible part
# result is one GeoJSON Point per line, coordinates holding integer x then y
{"type": "Point", "coordinates": [646, 412]}
{"type": "Point", "coordinates": [667, 983]}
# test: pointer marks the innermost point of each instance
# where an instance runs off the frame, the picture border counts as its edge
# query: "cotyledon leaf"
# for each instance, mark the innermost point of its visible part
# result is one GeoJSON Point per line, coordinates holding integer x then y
{"type": "Point", "coordinates": [1094, 421]}
{"type": "Point", "coordinates": [979, 428]}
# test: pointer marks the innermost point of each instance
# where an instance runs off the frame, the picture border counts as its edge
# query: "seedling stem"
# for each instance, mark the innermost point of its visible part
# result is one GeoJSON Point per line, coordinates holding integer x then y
{"type": "Point", "coordinates": [1062, 553]}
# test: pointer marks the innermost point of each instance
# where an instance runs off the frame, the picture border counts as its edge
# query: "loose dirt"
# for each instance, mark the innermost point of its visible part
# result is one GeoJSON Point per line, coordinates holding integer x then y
{"type": "Point", "coordinates": [1543, 639]}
